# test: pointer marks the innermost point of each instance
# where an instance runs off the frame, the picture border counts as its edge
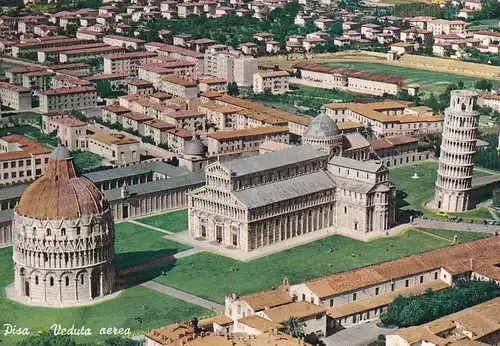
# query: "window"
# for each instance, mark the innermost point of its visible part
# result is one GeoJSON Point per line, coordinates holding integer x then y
{"type": "Point", "coordinates": [78, 230]}
{"type": "Point", "coordinates": [49, 232]}
{"type": "Point", "coordinates": [345, 210]}
{"type": "Point", "coordinates": [407, 283]}
{"type": "Point", "coordinates": [36, 280]}
{"type": "Point", "coordinates": [393, 287]}
{"type": "Point", "coordinates": [354, 297]}
{"type": "Point", "coordinates": [331, 302]}
{"type": "Point", "coordinates": [421, 279]}
{"type": "Point", "coordinates": [82, 279]}
{"type": "Point", "coordinates": [377, 290]}
{"type": "Point", "coordinates": [63, 231]}
{"type": "Point", "coordinates": [67, 281]}
{"type": "Point", "coordinates": [303, 296]}
{"type": "Point", "coordinates": [51, 282]}
{"type": "Point", "coordinates": [435, 275]}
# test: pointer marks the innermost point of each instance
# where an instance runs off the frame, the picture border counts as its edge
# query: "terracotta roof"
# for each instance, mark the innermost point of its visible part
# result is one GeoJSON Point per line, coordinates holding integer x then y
{"type": "Point", "coordinates": [267, 299]}
{"type": "Point", "coordinates": [186, 134]}
{"type": "Point", "coordinates": [124, 38]}
{"type": "Point", "coordinates": [73, 90]}
{"type": "Point", "coordinates": [159, 124]}
{"type": "Point", "coordinates": [300, 309]}
{"type": "Point", "coordinates": [64, 195]}
{"type": "Point", "coordinates": [221, 320]}
{"type": "Point", "coordinates": [69, 121]}
{"type": "Point", "coordinates": [382, 300]}
{"type": "Point", "coordinates": [27, 148]}
{"type": "Point", "coordinates": [116, 109]}
{"type": "Point", "coordinates": [259, 323]}
{"type": "Point", "coordinates": [13, 87]}
{"type": "Point", "coordinates": [179, 81]}
{"type": "Point", "coordinates": [248, 132]}
{"type": "Point", "coordinates": [454, 259]}
{"type": "Point", "coordinates": [274, 74]}
{"type": "Point", "coordinates": [185, 114]}
{"type": "Point", "coordinates": [139, 117]}
{"type": "Point", "coordinates": [113, 138]}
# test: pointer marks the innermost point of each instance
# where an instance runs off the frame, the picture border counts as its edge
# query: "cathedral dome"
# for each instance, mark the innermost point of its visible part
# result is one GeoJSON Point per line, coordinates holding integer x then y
{"type": "Point", "coordinates": [194, 147]}
{"type": "Point", "coordinates": [59, 194]}
{"type": "Point", "coordinates": [322, 126]}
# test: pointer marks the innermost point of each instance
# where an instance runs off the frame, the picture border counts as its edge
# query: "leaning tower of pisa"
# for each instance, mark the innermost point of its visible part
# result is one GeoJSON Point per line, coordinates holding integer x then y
{"type": "Point", "coordinates": [458, 148]}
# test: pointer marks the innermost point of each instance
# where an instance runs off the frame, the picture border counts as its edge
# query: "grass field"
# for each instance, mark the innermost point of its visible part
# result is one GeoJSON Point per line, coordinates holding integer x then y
{"type": "Point", "coordinates": [428, 80]}
{"type": "Point", "coordinates": [85, 160]}
{"type": "Point", "coordinates": [463, 237]}
{"type": "Point", "coordinates": [212, 276]}
{"type": "Point", "coordinates": [154, 308]}
{"type": "Point", "coordinates": [136, 245]}
{"type": "Point", "coordinates": [31, 132]}
{"type": "Point", "coordinates": [413, 193]}
{"type": "Point", "coordinates": [175, 221]}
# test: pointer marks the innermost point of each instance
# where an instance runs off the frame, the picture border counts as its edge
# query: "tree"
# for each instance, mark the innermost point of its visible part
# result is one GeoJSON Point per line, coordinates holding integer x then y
{"type": "Point", "coordinates": [483, 85]}
{"type": "Point", "coordinates": [313, 339]}
{"type": "Point", "coordinates": [461, 84]}
{"type": "Point", "coordinates": [48, 339]}
{"type": "Point", "coordinates": [336, 29]}
{"type": "Point", "coordinates": [233, 89]}
{"type": "Point", "coordinates": [294, 327]}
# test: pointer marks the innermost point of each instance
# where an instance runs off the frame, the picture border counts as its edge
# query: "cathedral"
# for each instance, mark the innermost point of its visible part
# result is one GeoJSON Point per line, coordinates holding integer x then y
{"type": "Point", "coordinates": [63, 239]}
{"type": "Point", "coordinates": [256, 201]}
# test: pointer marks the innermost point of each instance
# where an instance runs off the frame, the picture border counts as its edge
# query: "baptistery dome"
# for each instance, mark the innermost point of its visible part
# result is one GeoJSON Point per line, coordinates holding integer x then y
{"type": "Point", "coordinates": [195, 147]}
{"type": "Point", "coordinates": [63, 239]}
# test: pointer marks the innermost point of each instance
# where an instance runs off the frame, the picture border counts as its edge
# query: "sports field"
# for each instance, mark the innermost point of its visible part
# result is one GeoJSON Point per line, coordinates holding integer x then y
{"type": "Point", "coordinates": [428, 80]}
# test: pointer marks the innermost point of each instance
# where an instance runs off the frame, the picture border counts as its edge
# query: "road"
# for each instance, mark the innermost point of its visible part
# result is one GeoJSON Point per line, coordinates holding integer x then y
{"type": "Point", "coordinates": [358, 335]}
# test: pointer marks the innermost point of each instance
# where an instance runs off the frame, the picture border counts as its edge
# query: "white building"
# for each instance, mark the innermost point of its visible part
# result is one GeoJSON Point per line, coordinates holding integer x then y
{"type": "Point", "coordinates": [230, 65]}
{"type": "Point", "coordinates": [274, 82]}
{"type": "Point", "coordinates": [68, 99]}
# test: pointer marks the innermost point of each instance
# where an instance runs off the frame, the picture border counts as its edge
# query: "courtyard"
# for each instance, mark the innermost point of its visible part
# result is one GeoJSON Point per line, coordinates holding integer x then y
{"type": "Point", "coordinates": [174, 221]}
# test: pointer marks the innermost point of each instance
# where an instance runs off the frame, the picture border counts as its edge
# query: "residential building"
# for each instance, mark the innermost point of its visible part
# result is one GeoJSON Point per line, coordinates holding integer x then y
{"type": "Point", "coordinates": [21, 159]}
{"type": "Point", "coordinates": [179, 87]}
{"type": "Point", "coordinates": [230, 65]}
{"type": "Point", "coordinates": [68, 99]}
{"type": "Point", "coordinates": [400, 149]}
{"type": "Point", "coordinates": [14, 96]}
{"type": "Point", "coordinates": [124, 41]}
{"type": "Point", "coordinates": [275, 82]}
{"type": "Point", "coordinates": [117, 148]}
{"type": "Point", "coordinates": [126, 63]}
{"type": "Point", "coordinates": [212, 84]}
{"type": "Point", "coordinates": [72, 133]}
{"type": "Point", "coordinates": [157, 130]}
{"type": "Point", "coordinates": [492, 101]}
{"type": "Point", "coordinates": [441, 26]}
{"type": "Point", "coordinates": [231, 144]}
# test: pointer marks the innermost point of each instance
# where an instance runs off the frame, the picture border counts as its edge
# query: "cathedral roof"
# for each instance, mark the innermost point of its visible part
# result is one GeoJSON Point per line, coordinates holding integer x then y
{"type": "Point", "coordinates": [322, 126]}
{"type": "Point", "coordinates": [59, 193]}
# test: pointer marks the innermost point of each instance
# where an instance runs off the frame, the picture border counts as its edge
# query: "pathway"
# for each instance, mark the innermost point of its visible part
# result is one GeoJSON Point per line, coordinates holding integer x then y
{"type": "Point", "coordinates": [173, 292]}
{"type": "Point", "coordinates": [154, 228]}
{"type": "Point", "coordinates": [432, 235]}
{"type": "Point", "coordinates": [493, 213]}
{"type": "Point", "coordinates": [455, 226]}
{"type": "Point", "coordinates": [357, 335]}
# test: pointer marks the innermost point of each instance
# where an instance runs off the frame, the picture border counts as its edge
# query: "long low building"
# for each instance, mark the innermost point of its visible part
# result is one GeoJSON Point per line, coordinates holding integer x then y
{"type": "Point", "coordinates": [68, 99]}
{"type": "Point", "coordinates": [361, 295]}
{"type": "Point", "coordinates": [246, 141]}
{"type": "Point", "coordinates": [387, 118]}
{"type": "Point", "coordinates": [348, 79]}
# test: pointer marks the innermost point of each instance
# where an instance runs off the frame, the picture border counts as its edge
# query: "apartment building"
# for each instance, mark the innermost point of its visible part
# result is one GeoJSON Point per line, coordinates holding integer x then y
{"type": "Point", "coordinates": [387, 118]}
{"type": "Point", "coordinates": [87, 53]}
{"type": "Point", "coordinates": [48, 121]}
{"type": "Point", "coordinates": [177, 53]}
{"type": "Point", "coordinates": [177, 137]}
{"type": "Point", "coordinates": [248, 141]}
{"type": "Point", "coordinates": [126, 63]}
{"type": "Point", "coordinates": [72, 133]}
{"type": "Point", "coordinates": [231, 65]}
{"type": "Point", "coordinates": [21, 158]}
{"type": "Point", "coordinates": [52, 54]}
{"type": "Point", "coordinates": [38, 81]}
{"type": "Point", "coordinates": [31, 48]}
{"type": "Point", "coordinates": [492, 101]}
{"type": "Point", "coordinates": [124, 41]}
{"type": "Point", "coordinates": [157, 130]}
{"type": "Point", "coordinates": [275, 82]}
{"type": "Point", "coordinates": [446, 27]}
{"type": "Point", "coordinates": [179, 87]}
{"type": "Point", "coordinates": [15, 97]}
{"type": "Point", "coordinates": [135, 121]}
{"type": "Point", "coordinates": [117, 148]}
{"type": "Point", "coordinates": [222, 117]}
{"type": "Point", "coordinates": [212, 84]}
{"type": "Point", "coordinates": [190, 120]}
{"type": "Point", "coordinates": [68, 99]}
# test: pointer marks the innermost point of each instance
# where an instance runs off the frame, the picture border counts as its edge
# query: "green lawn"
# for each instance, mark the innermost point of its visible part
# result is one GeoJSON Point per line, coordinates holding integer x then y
{"type": "Point", "coordinates": [175, 221]}
{"type": "Point", "coordinates": [412, 194]}
{"type": "Point", "coordinates": [154, 308]}
{"type": "Point", "coordinates": [135, 245]}
{"type": "Point", "coordinates": [428, 80]}
{"type": "Point", "coordinates": [22, 130]}
{"type": "Point", "coordinates": [85, 160]}
{"type": "Point", "coordinates": [463, 237]}
{"type": "Point", "coordinates": [212, 276]}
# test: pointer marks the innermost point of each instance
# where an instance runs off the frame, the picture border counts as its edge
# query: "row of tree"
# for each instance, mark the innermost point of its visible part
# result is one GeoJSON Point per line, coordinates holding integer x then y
{"type": "Point", "coordinates": [412, 310]}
